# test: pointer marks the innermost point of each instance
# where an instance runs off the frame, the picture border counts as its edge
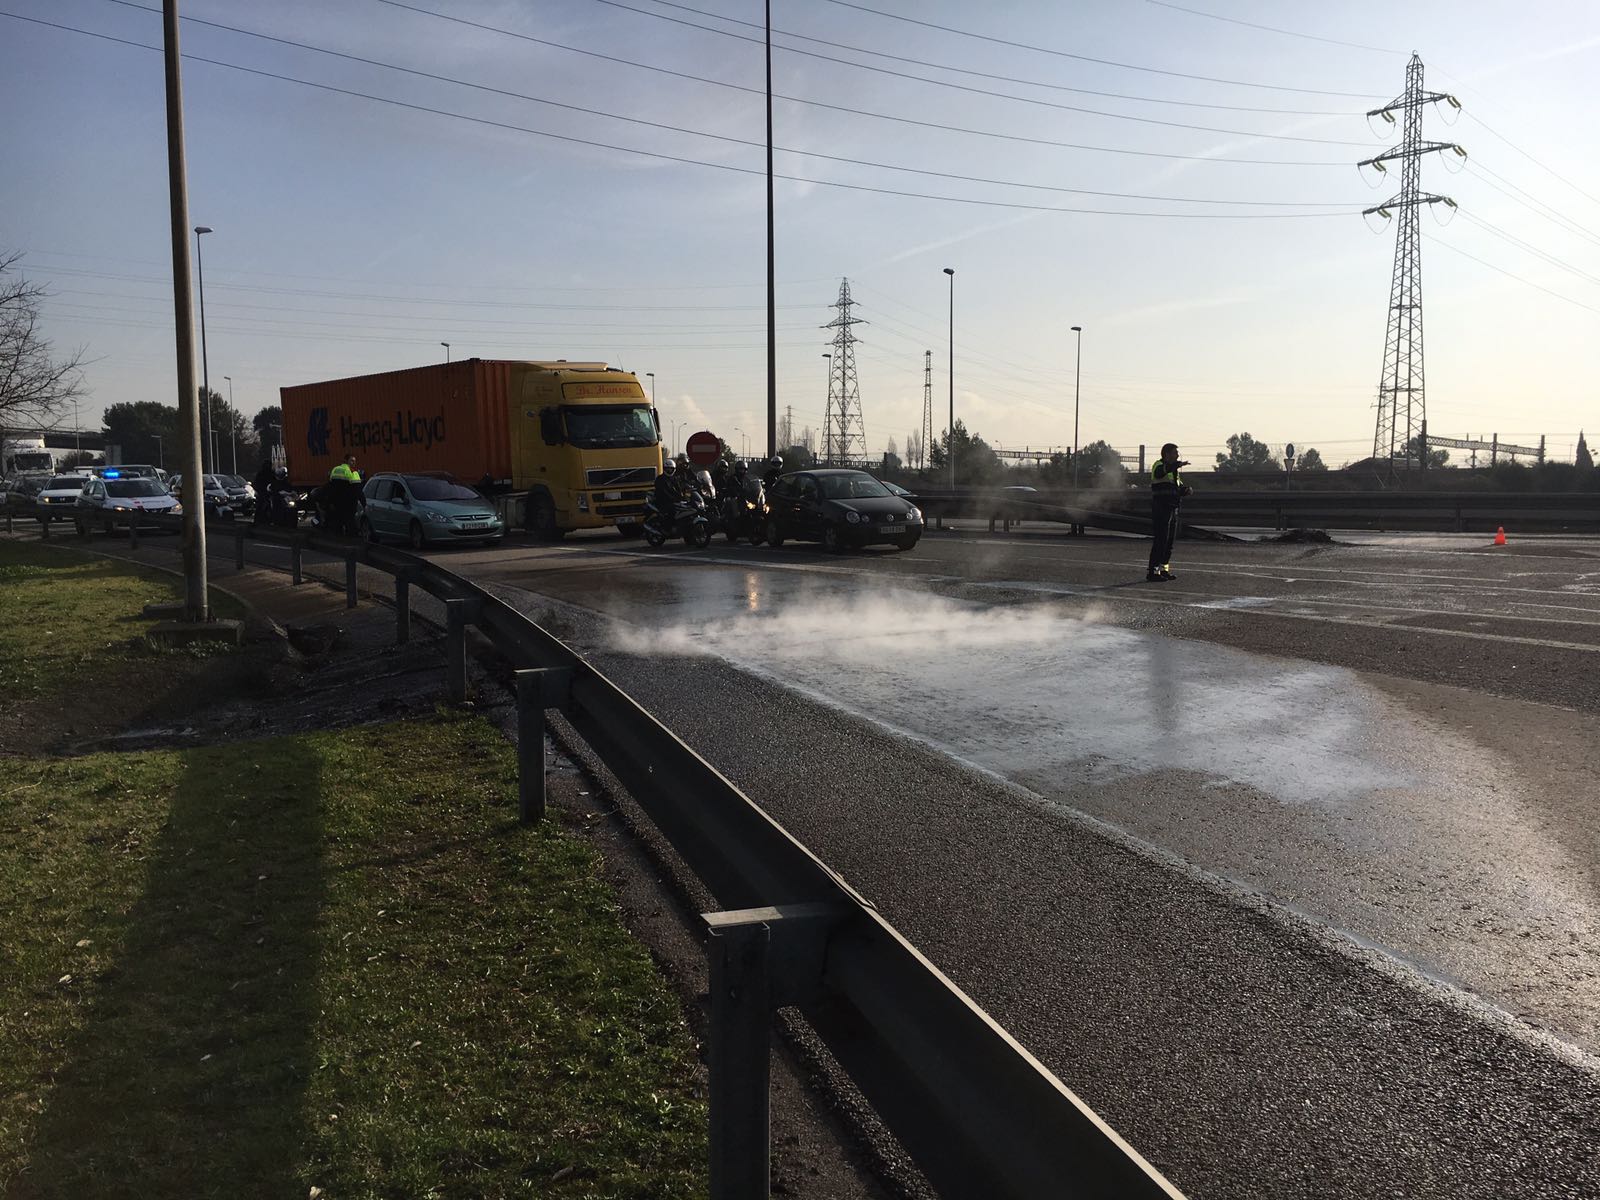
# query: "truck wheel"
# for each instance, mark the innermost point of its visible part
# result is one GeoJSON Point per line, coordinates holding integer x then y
{"type": "Point", "coordinates": [542, 519]}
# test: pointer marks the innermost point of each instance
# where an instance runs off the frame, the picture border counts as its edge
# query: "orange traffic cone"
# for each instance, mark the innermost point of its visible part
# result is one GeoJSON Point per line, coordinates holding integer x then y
{"type": "Point", "coordinates": [1500, 536]}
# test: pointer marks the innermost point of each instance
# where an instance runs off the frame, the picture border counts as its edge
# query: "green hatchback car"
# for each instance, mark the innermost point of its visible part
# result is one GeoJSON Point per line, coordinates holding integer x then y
{"type": "Point", "coordinates": [424, 509]}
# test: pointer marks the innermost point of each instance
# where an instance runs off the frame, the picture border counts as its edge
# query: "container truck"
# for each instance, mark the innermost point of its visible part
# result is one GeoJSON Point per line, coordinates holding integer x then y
{"type": "Point", "coordinates": [557, 445]}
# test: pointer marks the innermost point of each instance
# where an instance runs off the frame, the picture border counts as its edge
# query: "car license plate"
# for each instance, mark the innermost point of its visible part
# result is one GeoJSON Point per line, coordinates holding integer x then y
{"type": "Point", "coordinates": [628, 520]}
{"type": "Point", "coordinates": [888, 529]}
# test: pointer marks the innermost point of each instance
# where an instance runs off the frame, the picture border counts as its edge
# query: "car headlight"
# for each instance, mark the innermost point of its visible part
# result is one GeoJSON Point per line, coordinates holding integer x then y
{"type": "Point", "coordinates": [853, 517]}
{"type": "Point", "coordinates": [121, 508]}
{"type": "Point", "coordinates": [913, 514]}
{"type": "Point", "coordinates": [439, 518]}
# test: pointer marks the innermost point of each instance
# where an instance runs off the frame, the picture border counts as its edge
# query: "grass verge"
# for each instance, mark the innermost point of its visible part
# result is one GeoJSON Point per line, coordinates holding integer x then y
{"type": "Point", "coordinates": [71, 623]}
{"type": "Point", "coordinates": [264, 967]}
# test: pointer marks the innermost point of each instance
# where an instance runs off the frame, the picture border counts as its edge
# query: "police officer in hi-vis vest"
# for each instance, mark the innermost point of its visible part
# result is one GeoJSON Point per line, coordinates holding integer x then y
{"type": "Point", "coordinates": [1167, 490]}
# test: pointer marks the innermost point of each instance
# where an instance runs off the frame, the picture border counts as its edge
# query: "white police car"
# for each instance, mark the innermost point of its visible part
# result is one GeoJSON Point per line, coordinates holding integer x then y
{"type": "Point", "coordinates": [113, 500]}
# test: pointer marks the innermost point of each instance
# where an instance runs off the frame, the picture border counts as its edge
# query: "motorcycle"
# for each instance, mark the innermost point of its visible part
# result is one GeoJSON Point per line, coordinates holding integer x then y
{"type": "Point", "coordinates": [280, 508]}
{"type": "Point", "coordinates": [743, 517]}
{"type": "Point", "coordinates": [686, 520]}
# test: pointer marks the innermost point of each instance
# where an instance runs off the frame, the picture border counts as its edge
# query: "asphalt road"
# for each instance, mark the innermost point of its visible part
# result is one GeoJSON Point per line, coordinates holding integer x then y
{"type": "Point", "coordinates": [1288, 867]}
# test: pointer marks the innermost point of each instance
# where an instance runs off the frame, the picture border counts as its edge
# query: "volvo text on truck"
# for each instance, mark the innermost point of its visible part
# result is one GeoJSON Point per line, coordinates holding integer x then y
{"type": "Point", "coordinates": [557, 445]}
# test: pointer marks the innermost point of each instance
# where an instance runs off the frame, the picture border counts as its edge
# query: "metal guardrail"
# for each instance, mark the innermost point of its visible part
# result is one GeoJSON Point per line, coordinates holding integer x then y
{"type": "Point", "coordinates": [979, 1115]}
{"type": "Point", "coordinates": [1459, 512]}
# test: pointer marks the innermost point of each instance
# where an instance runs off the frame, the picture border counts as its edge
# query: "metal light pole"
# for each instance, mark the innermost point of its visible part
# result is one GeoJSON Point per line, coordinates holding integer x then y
{"type": "Point", "coordinates": [161, 459]}
{"type": "Point", "coordinates": [205, 369]}
{"type": "Point", "coordinates": [446, 346]}
{"type": "Point", "coordinates": [195, 600]}
{"type": "Point", "coordinates": [772, 293]}
{"type": "Point", "coordinates": [827, 419]}
{"type": "Point", "coordinates": [233, 428]}
{"type": "Point", "coordinates": [951, 448]}
{"type": "Point", "coordinates": [1077, 378]}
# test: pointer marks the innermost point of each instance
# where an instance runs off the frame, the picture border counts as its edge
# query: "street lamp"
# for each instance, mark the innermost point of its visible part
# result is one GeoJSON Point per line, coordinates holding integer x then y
{"type": "Point", "coordinates": [161, 460]}
{"type": "Point", "coordinates": [1077, 379]}
{"type": "Point", "coordinates": [205, 370]}
{"type": "Point", "coordinates": [745, 438]}
{"type": "Point", "coordinates": [446, 346]}
{"type": "Point", "coordinates": [233, 428]}
{"type": "Point", "coordinates": [950, 450]}
{"type": "Point", "coordinates": [827, 428]}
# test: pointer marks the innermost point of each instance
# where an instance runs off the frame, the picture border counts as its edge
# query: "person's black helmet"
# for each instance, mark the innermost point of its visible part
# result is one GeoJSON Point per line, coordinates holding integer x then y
{"type": "Point", "coordinates": [282, 472]}
{"type": "Point", "coordinates": [775, 462]}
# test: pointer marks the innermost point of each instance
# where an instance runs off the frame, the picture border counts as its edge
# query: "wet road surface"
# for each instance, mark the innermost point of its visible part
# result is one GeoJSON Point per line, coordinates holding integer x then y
{"type": "Point", "coordinates": [1071, 790]}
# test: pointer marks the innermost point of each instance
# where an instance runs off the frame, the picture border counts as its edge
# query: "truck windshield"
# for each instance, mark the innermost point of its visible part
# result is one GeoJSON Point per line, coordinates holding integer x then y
{"type": "Point", "coordinates": [600, 426]}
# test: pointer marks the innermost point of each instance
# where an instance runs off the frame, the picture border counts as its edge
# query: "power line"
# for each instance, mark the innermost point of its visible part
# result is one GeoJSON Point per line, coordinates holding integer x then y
{"type": "Point", "coordinates": [1433, 237]}
{"type": "Point", "coordinates": [1532, 203]}
{"type": "Point", "coordinates": [938, 66]}
{"type": "Point", "coordinates": [1530, 248]}
{"type": "Point", "coordinates": [977, 91]}
{"type": "Point", "coordinates": [595, 112]}
{"type": "Point", "coordinates": [860, 112]}
{"type": "Point", "coordinates": [1104, 62]}
{"type": "Point", "coordinates": [661, 155]}
{"type": "Point", "coordinates": [1310, 37]}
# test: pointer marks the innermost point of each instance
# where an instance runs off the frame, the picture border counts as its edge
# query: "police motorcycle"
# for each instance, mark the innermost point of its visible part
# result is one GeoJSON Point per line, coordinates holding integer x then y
{"type": "Point", "coordinates": [744, 509]}
{"type": "Point", "coordinates": [687, 519]}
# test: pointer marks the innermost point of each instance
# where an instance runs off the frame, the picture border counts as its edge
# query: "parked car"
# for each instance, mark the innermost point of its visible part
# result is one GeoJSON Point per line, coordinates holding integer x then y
{"type": "Point", "coordinates": [427, 508]}
{"type": "Point", "coordinates": [219, 500]}
{"type": "Point", "coordinates": [24, 486]}
{"type": "Point", "coordinates": [106, 502]}
{"type": "Point", "coordinates": [840, 508]}
{"type": "Point", "coordinates": [241, 493]}
{"type": "Point", "coordinates": [59, 495]}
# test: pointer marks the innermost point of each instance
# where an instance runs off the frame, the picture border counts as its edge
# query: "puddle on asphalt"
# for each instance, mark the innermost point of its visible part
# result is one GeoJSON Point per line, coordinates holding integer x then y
{"type": "Point", "coordinates": [1028, 689]}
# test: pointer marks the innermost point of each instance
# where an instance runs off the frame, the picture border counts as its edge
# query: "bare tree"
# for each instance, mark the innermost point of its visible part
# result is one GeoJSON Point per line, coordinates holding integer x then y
{"type": "Point", "coordinates": [35, 386]}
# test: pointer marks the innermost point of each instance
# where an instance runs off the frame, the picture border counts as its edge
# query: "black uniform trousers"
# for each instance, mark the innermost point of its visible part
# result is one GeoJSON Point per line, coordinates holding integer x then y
{"type": "Point", "coordinates": [1163, 528]}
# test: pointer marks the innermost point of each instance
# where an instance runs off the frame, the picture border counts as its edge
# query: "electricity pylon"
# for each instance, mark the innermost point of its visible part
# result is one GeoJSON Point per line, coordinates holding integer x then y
{"type": "Point", "coordinates": [845, 435]}
{"type": "Point", "coordinates": [1402, 398]}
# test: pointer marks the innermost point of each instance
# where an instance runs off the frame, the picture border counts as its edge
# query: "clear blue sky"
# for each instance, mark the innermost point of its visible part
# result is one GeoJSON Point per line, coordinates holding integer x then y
{"type": "Point", "coordinates": [354, 235]}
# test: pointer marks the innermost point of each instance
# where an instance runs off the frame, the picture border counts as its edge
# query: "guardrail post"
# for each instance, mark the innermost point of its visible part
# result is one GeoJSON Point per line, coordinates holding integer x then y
{"type": "Point", "coordinates": [44, 529]}
{"type": "Point", "coordinates": [133, 533]}
{"type": "Point", "coordinates": [537, 690]}
{"type": "Point", "coordinates": [295, 557]}
{"type": "Point", "coordinates": [402, 610]}
{"type": "Point", "coordinates": [455, 650]}
{"type": "Point", "coordinates": [741, 1011]}
{"type": "Point", "coordinates": [238, 549]}
{"type": "Point", "coordinates": [351, 597]}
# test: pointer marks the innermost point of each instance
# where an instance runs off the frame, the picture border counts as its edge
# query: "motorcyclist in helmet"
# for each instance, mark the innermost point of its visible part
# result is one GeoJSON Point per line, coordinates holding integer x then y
{"type": "Point", "coordinates": [774, 469]}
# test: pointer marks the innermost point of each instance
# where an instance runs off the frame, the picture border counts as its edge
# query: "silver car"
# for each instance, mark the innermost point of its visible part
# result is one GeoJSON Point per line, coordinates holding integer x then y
{"type": "Point", "coordinates": [58, 499]}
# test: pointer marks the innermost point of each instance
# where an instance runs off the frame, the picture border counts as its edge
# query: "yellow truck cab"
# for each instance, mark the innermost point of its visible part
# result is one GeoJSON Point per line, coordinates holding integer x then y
{"type": "Point", "coordinates": [585, 447]}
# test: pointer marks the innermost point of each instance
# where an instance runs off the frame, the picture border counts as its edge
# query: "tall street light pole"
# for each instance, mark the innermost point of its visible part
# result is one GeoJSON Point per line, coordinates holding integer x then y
{"type": "Point", "coordinates": [195, 603]}
{"type": "Point", "coordinates": [233, 429]}
{"type": "Point", "coordinates": [1077, 379]}
{"type": "Point", "coordinates": [772, 294]}
{"type": "Point", "coordinates": [827, 419]}
{"type": "Point", "coordinates": [161, 458]}
{"type": "Point", "coordinates": [950, 450]}
{"type": "Point", "coordinates": [205, 368]}
{"type": "Point", "coordinates": [446, 346]}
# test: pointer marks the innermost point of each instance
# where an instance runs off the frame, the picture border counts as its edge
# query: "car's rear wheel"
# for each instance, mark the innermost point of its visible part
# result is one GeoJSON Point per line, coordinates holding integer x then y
{"type": "Point", "coordinates": [414, 537]}
{"type": "Point", "coordinates": [774, 534]}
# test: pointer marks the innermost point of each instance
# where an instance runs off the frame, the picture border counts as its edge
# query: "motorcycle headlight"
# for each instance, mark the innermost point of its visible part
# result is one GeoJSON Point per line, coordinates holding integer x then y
{"type": "Point", "coordinates": [853, 517]}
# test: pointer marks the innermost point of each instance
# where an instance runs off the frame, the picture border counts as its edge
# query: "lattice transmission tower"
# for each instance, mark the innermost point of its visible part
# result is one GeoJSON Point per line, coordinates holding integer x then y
{"type": "Point", "coordinates": [927, 410]}
{"type": "Point", "coordinates": [1402, 398]}
{"type": "Point", "coordinates": [844, 435]}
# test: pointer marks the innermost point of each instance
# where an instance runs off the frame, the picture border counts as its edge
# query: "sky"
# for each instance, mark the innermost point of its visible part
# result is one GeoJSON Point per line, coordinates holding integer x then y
{"type": "Point", "coordinates": [583, 179]}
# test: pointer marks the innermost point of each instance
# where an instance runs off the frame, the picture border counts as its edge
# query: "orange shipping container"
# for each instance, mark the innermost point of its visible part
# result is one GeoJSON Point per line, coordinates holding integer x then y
{"type": "Point", "coordinates": [451, 417]}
